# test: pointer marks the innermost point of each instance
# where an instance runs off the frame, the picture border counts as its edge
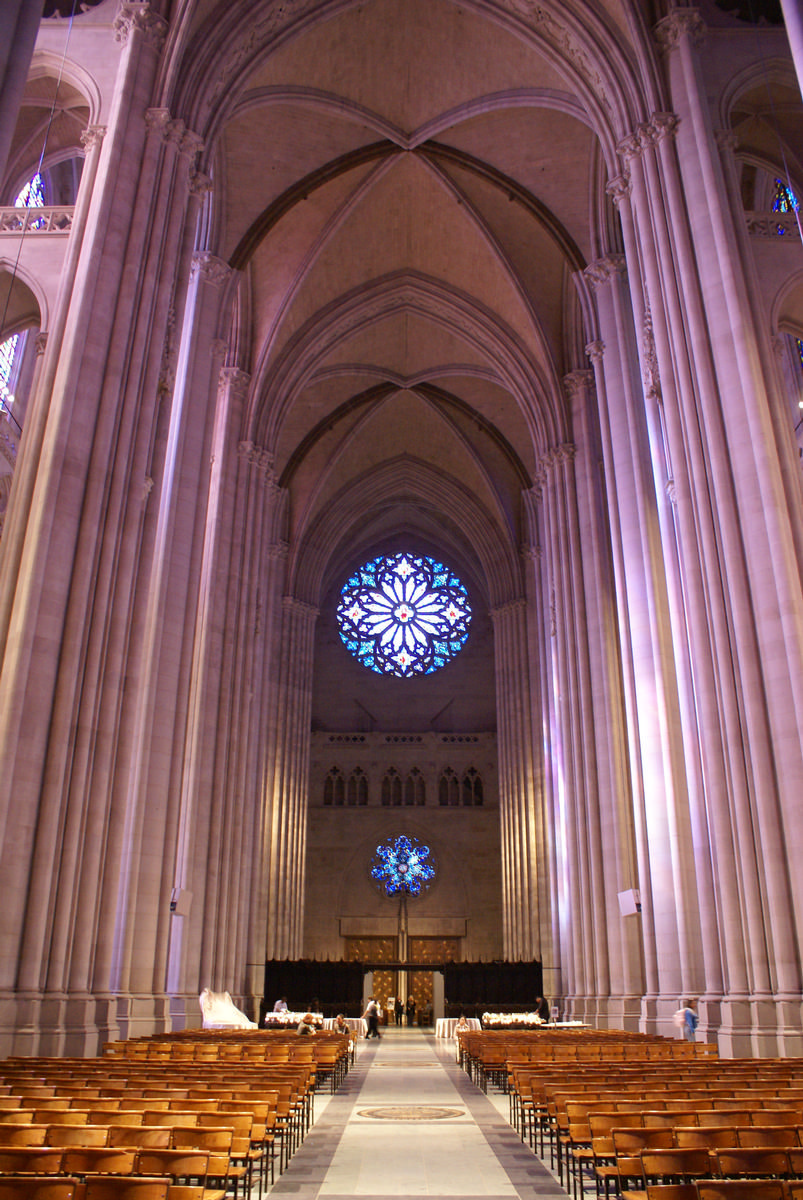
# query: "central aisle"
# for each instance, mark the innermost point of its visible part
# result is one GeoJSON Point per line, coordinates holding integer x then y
{"type": "Point", "coordinates": [408, 1121]}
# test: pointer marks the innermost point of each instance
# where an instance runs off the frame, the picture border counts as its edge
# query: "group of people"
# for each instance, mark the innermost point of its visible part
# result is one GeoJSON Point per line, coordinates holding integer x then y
{"type": "Point", "coordinates": [397, 1006]}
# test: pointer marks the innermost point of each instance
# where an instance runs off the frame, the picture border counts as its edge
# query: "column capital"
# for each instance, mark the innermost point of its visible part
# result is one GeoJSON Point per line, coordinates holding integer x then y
{"type": "Point", "coordinates": [92, 137]}
{"type": "Point", "coordinates": [511, 608]}
{"type": "Point", "coordinates": [727, 140]}
{"type": "Point", "coordinates": [578, 383]}
{"type": "Point", "coordinates": [647, 134]}
{"type": "Point", "coordinates": [208, 268]}
{"type": "Point", "coordinates": [236, 382]}
{"type": "Point", "coordinates": [682, 22]}
{"type": "Point", "coordinates": [138, 17]}
{"type": "Point", "coordinates": [260, 459]}
{"type": "Point", "coordinates": [200, 184]}
{"type": "Point", "coordinates": [300, 608]}
{"type": "Point", "coordinates": [604, 269]}
{"type": "Point", "coordinates": [173, 132]}
{"type": "Point", "coordinates": [595, 351]}
{"type": "Point", "coordinates": [619, 188]}
{"type": "Point", "coordinates": [40, 342]}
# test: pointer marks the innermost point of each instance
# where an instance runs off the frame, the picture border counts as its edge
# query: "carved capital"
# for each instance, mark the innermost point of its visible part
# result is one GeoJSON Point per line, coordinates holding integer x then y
{"type": "Point", "coordinates": [671, 491]}
{"type": "Point", "coordinates": [512, 608]}
{"type": "Point", "coordinates": [727, 140]}
{"type": "Point", "coordinates": [595, 351]}
{"type": "Point", "coordinates": [662, 126]}
{"type": "Point", "coordinates": [236, 383]}
{"type": "Point", "coordinates": [578, 383]}
{"type": "Point", "coordinates": [681, 23]}
{"type": "Point", "coordinates": [630, 146]}
{"type": "Point", "coordinates": [300, 608]}
{"type": "Point", "coordinates": [92, 137]}
{"type": "Point", "coordinates": [137, 18]}
{"type": "Point", "coordinates": [207, 268]}
{"type": "Point", "coordinates": [218, 349]}
{"type": "Point", "coordinates": [619, 188]}
{"type": "Point", "coordinates": [147, 488]}
{"type": "Point", "coordinates": [40, 343]}
{"type": "Point", "coordinates": [200, 184]}
{"type": "Point", "coordinates": [604, 269]}
{"type": "Point", "coordinates": [532, 554]}
{"type": "Point", "coordinates": [260, 459]}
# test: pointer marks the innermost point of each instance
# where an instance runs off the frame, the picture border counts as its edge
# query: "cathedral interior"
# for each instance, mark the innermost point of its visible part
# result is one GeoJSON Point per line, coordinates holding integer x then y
{"type": "Point", "coordinates": [400, 436]}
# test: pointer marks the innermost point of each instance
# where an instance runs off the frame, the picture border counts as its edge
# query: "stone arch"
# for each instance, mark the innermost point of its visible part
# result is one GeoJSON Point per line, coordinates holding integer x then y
{"type": "Point", "coordinates": [22, 301]}
{"type": "Point", "coordinates": [517, 370]}
{"type": "Point", "coordinates": [346, 525]}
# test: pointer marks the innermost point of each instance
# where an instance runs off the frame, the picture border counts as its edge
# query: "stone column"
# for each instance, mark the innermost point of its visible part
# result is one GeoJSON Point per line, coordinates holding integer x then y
{"type": "Point", "coordinates": [759, 523]}
{"type": "Point", "coordinates": [284, 799]}
{"type": "Point", "coordinates": [20, 26]}
{"type": "Point", "coordinates": [793, 20]}
{"type": "Point", "coordinates": [526, 881]}
{"type": "Point", "coordinates": [71, 618]}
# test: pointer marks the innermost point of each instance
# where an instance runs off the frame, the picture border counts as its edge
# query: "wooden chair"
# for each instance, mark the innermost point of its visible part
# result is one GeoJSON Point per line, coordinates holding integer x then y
{"type": "Point", "coordinates": [182, 1166]}
{"type": "Point", "coordinates": [140, 1137]}
{"type": "Point", "coordinates": [77, 1135]}
{"type": "Point", "coordinates": [716, 1137]}
{"type": "Point", "coordinates": [763, 1163]}
{"type": "Point", "coordinates": [31, 1160]}
{"type": "Point", "coordinates": [675, 1166]}
{"type": "Point", "coordinates": [95, 1160]}
{"type": "Point", "coordinates": [628, 1145]}
{"type": "Point", "coordinates": [742, 1189]}
{"type": "Point", "coordinates": [122, 1187]}
{"type": "Point", "coordinates": [22, 1135]}
{"type": "Point", "coordinates": [782, 1137]}
{"type": "Point", "coordinates": [38, 1187]}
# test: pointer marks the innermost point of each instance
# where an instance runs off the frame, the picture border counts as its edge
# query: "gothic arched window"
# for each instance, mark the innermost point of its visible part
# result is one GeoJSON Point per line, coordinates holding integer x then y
{"type": "Point", "coordinates": [8, 349]}
{"type": "Point", "coordinates": [357, 789]}
{"type": "Point", "coordinates": [415, 792]}
{"type": "Point", "coordinates": [472, 788]}
{"type": "Point", "coordinates": [404, 615]}
{"type": "Point", "coordinates": [392, 789]}
{"type": "Point", "coordinates": [784, 199]}
{"type": "Point", "coordinates": [448, 789]}
{"type": "Point", "coordinates": [334, 789]}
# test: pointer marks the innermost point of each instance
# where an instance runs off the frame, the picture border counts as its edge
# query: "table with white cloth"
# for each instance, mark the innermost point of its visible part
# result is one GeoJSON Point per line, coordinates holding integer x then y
{"type": "Point", "coordinates": [445, 1026]}
{"type": "Point", "coordinates": [357, 1025]}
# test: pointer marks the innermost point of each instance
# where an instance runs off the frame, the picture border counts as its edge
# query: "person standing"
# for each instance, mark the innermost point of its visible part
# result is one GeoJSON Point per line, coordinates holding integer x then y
{"type": "Point", "coordinates": [398, 1009]}
{"type": "Point", "coordinates": [371, 1016]}
{"type": "Point", "coordinates": [687, 1020]}
{"type": "Point", "coordinates": [281, 1005]}
{"type": "Point", "coordinates": [411, 1010]}
{"type": "Point", "coordinates": [542, 1008]}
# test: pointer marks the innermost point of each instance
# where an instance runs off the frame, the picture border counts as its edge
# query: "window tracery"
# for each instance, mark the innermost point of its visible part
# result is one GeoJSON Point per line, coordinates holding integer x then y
{"type": "Point", "coordinates": [357, 789]}
{"type": "Point", "coordinates": [404, 615]}
{"type": "Point", "coordinates": [392, 789]}
{"type": "Point", "coordinates": [333, 788]}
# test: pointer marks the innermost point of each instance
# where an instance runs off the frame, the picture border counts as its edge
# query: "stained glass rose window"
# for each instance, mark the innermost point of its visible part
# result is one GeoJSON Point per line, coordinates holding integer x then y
{"type": "Point", "coordinates": [403, 865]}
{"type": "Point", "coordinates": [402, 614]}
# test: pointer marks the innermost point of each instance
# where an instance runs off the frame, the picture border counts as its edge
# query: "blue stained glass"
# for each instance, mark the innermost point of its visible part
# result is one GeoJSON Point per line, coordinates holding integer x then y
{"type": "Point", "coordinates": [784, 200]}
{"type": "Point", "coordinates": [402, 866]}
{"type": "Point", "coordinates": [404, 615]}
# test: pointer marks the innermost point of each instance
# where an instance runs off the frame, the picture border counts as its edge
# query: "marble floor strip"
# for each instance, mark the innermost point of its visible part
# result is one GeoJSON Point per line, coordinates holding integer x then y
{"type": "Point", "coordinates": [408, 1122]}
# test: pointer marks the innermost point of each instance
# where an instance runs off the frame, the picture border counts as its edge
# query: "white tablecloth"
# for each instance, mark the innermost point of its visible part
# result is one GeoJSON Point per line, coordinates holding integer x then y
{"type": "Point", "coordinates": [445, 1026]}
{"type": "Point", "coordinates": [357, 1025]}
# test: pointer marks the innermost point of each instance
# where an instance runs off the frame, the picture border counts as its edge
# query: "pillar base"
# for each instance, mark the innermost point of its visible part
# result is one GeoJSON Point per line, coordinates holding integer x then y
{"type": "Point", "coordinates": [57, 1024]}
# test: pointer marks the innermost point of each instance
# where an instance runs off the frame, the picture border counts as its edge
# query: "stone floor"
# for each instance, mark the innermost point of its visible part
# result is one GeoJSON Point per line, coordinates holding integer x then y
{"type": "Point", "coordinates": [409, 1122]}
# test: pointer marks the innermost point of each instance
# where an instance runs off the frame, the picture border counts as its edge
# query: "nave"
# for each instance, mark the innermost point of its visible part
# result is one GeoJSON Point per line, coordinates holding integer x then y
{"type": "Point", "coordinates": [407, 1121]}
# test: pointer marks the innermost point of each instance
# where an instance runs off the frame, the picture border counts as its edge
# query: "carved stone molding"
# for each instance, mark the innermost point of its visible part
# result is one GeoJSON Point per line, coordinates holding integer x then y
{"type": "Point", "coordinates": [138, 18]}
{"type": "Point", "coordinates": [92, 137]}
{"type": "Point", "coordinates": [650, 375]}
{"type": "Point", "coordinates": [595, 351]}
{"type": "Point", "coordinates": [671, 491]}
{"type": "Point", "coordinates": [604, 269]}
{"type": "Point", "coordinates": [40, 343]}
{"type": "Point", "coordinates": [208, 268]}
{"type": "Point", "coordinates": [683, 22]}
{"type": "Point", "coordinates": [557, 456]}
